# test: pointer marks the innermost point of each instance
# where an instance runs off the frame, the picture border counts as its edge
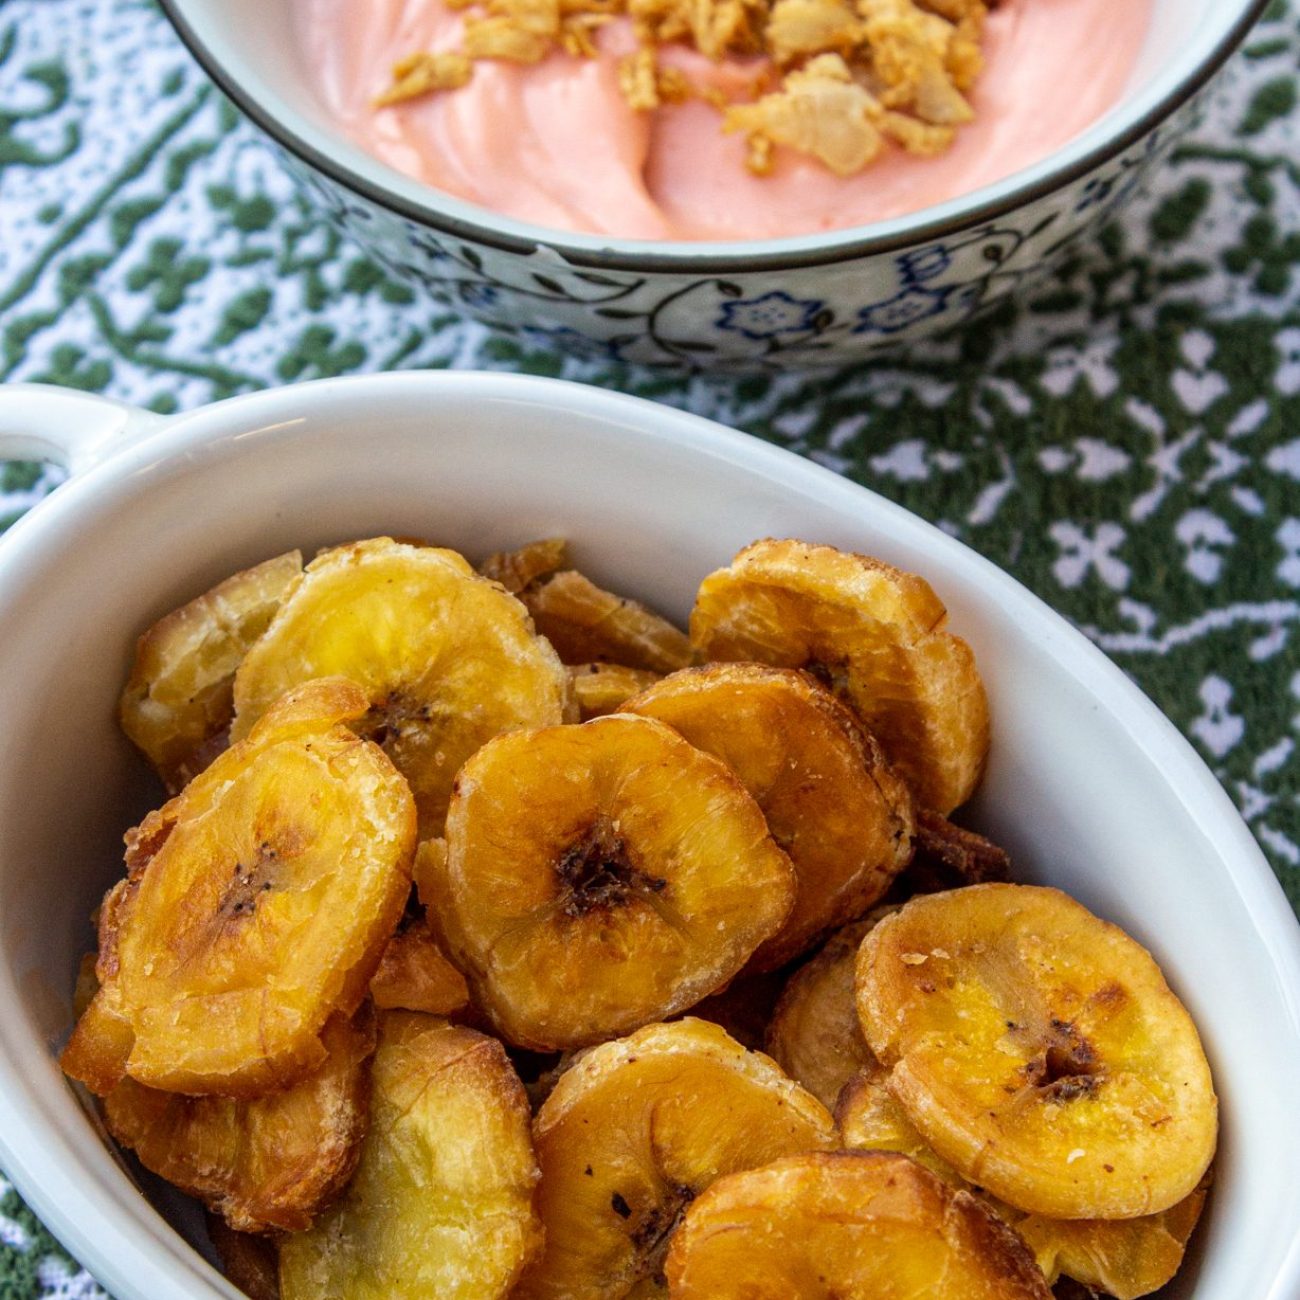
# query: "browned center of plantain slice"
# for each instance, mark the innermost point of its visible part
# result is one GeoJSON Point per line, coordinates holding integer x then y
{"type": "Point", "coordinates": [1125, 1258]}
{"type": "Point", "coordinates": [597, 872]}
{"type": "Point", "coordinates": [830, 798]}
{"type": "Point", "coordinates": [442, 1201]}
{"type": "Point", "coordinates": [633, 1132]}
{"type": "Point", "coordinates": [257, 904]}
{"type": "Point", "coordinates": [877, 637]}
{"type": "Point", "coordinates": [264, 1164]}
{"type": "Point", "coordinates": [177, 704]}
{"type": "Point", "coordinates": [846, 1226]}
{"type": "Point", "coordinates": [1039, 1051]}
{"type": "Point", "coordinates": [447, 659]}
{"type": "Point", "coordinates": [814, 1035]}
{"type": "Point", "coordinates": [599, 877]}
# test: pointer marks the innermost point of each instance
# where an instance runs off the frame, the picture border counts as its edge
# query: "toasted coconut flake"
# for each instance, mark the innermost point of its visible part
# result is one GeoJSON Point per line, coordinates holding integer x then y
{"type": "Point", "coordinates": [422, 74]}
{"type": "Point", "coordinates": [802, 28]}
{"type": "Point", "coordinates": [638, 79]}
{"type": "Point", "coordinates": [855, 75]}
{"type": "Point", "coordinates": [819, 110]}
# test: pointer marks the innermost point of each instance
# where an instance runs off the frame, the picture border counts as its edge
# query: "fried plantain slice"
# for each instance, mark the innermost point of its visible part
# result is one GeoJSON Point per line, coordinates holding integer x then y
{"type": "Point", "coordinates": [442, 1200]}
{"type": "Point", "coordinates": [831, 800]}
{"type": "Point", "coordinates": [415, 975]}
{"type": "Point", "coordinates": [814, 1034]}
{"type": "Point", "coordinates": [876, 636]}
{"type": "Point", "coordinates": [849, 1225]}
{"type": "Point", "coordinates": [603, 688]}
{"type": "Point", "coordinates": [265, 1164]}
{"type": "Point", "coordinates": [870, 1119]}
{"type": "Point", "coordinates": [257, 903]}
{"type": "Point", "coordinates": [948, 856]}
{"type": "Point", "coordinates": [446, 658]}
{"type": "Point", "coordinates": [250, 1262]}
{"type": "Point", "coordinates": [177, 703]}
{"type": "Point", "coordinates": [585, 623]}
{"type": "Point", "coordinates": [1039, 1051]}
{"type": "Point", "coordinates": [599, 877]}
{"type": "Point", "coordinates": [515, 570]}
{"type": "Point", "coordinates": [87, 985]}
{"type": "Point", "coordinates": [1126, 1258]}
{"type": "Point", "coordinates": [633, 1131]}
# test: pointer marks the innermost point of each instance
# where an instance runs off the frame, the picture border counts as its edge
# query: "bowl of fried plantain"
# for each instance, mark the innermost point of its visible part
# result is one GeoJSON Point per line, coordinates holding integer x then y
{"type": "Point", "coordinates": [1086, 785]}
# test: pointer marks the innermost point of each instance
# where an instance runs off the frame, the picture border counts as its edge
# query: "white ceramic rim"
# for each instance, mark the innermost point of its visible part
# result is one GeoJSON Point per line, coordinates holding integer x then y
{"type": "Point", "coordinates": [335, 156]}
{"type": "Point", "coordinates": [135, 1253]}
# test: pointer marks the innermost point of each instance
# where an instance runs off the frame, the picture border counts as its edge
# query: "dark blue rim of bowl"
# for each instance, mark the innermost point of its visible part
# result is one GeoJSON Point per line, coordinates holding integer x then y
{"type": "Point", "coordinates": [853, 247]}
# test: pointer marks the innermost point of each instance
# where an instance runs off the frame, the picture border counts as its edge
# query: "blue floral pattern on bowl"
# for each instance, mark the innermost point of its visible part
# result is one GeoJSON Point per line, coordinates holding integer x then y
{"type": "Point", "coordinates": [773, 314]}
{"type": "Point", "coordinates": [795, 317]}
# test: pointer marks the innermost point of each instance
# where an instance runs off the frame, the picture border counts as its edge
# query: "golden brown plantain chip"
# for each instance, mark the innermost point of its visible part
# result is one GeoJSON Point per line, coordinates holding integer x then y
{"type": "Point", "coordinates": [600, 877]}
{"type": "Point", "coordinates": [270, 1163]}
{"type": "Point", "coordinates": [875, 635]}
{"type": "Point", "coordinates": [870, 1119]}
{"type": "Point", "coordinates": [1039, 1051]}
{"type": "Point", "coordinates": [515, 570]}
{"type": "Point", "coordinates": [257, 904]}
{"type": "Point", "coordinates": [850, 1225]}
{"type": "Point", "coordinates": [831, 800]}
{"type": "Point", "coordinates": [633, 1131]}
{"type": "Point", "coordinates": [1125, 1258]}
{"type": "Point", "coordinates": [177, 704]}
{"type": "Point", "coordinates": [585, 624]}
{"type": "Point", "coordinates": [603, 688]}
{"type": "Point", "coordinates": [814, 1034]}
{"type": "Point", "coordinates": [446, 658]}
{"type": "Point", "coordinates": [442, 1200]}
{"type": "Point", "coordinates": [415, 975]}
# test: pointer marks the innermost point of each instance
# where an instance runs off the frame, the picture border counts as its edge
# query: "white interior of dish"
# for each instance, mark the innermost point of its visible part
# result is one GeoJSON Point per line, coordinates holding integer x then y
{"type": "Point", "coordinates": [1088, 786]}
{"type": "Point", "coordinates": [253, 42]}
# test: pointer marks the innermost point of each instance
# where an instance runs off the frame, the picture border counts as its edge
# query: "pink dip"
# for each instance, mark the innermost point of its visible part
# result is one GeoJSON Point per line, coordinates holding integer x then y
{"type": "Point", "coordinates": [556, 145]}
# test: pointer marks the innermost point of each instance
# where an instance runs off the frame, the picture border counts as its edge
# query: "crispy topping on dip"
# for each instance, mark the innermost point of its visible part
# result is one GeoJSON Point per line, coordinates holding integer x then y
{"type": "Point", "coordinates": [841, 78]}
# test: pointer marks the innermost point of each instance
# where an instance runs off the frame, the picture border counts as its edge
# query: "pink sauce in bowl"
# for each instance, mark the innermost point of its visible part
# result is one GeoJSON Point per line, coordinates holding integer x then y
{"type": "Point", "coordinates": [555, 143]}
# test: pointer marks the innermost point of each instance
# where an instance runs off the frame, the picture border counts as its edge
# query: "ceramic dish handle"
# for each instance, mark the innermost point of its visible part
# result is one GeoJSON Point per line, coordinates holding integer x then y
{"type": "Point", "coordinates": [75, 430]}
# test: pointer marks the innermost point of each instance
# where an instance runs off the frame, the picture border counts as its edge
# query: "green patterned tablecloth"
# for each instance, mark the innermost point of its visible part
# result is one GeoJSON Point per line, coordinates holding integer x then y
{"type": "Point", "coordinates": [1127, 443]}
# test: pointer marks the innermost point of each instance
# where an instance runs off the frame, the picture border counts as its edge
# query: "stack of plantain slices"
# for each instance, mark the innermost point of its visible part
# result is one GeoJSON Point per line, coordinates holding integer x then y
{"type": "Point", "coordinates": [444, 969]}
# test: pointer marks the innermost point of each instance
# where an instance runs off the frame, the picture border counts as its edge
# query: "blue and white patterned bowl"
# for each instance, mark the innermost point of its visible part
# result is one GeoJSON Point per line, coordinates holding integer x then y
{"type": "Point", "coordinates": [824, 299]}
